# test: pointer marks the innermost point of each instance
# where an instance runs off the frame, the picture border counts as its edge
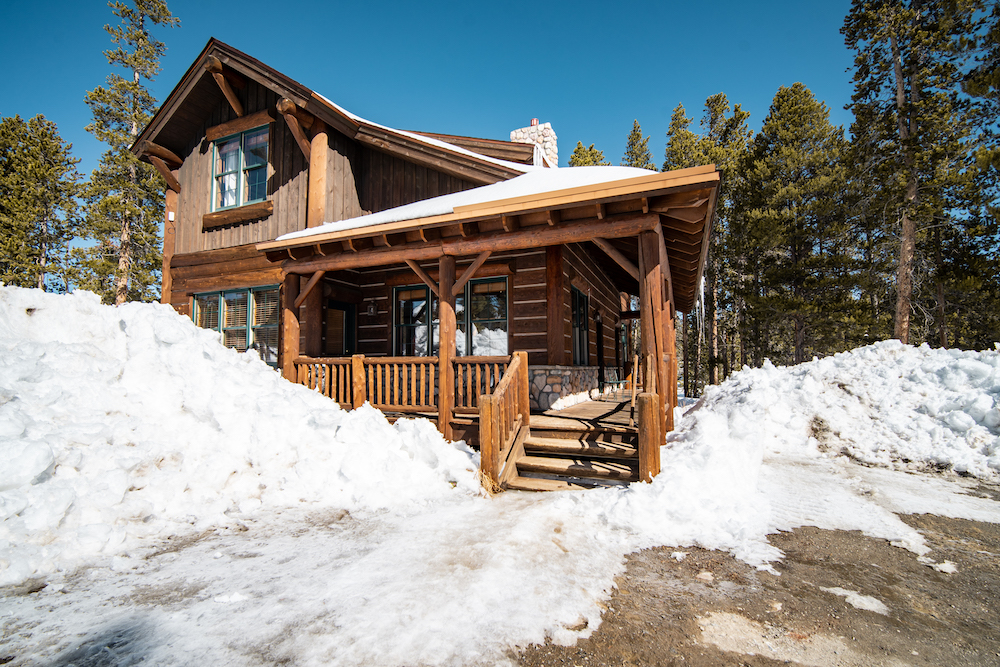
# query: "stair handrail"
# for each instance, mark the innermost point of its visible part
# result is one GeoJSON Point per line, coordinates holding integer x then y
{"type": "Point", "coordinates": [502, 415]}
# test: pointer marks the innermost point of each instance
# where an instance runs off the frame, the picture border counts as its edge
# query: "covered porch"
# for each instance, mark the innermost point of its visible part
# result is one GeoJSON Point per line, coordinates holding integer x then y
{"type": "Point", "coordinates": [647, 235]}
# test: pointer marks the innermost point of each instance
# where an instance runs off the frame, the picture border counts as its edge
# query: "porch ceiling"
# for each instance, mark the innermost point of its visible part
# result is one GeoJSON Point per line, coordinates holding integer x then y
{"type": "Point", "coordinates": [679, 204]}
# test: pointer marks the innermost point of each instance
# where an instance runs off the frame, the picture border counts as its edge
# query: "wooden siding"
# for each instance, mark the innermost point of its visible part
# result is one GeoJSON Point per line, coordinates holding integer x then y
{"type": "Point", "coordinates": [212, 271]}
{"type": "Point", "coordinates": [388, 181]}
{"type": "Point", "coordinates": [582, 270]}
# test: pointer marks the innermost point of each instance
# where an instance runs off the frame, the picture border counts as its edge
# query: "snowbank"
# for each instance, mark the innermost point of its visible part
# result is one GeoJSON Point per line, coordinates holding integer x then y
{"type": "Point", "coordinates": [119, 426]}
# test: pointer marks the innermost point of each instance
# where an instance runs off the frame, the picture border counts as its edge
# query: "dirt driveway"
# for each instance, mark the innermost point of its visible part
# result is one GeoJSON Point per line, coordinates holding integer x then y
{"type": "Point", "coordinates": [840, 599]}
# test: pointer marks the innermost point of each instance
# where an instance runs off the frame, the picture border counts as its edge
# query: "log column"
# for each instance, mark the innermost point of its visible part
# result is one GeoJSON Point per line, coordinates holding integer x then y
{"type": "Point", "coordinates": [289, 326]}
{"type": "Point", "coordinates": [555, 303]}
{"type": "Point", "coordinates": [651, 319]}
{"type": "Point", "coordinates": [169, 241]}
{"type": "Point", "coordinates": [446, 344]}
{"type": "Point", "coordinates": [312, 326]}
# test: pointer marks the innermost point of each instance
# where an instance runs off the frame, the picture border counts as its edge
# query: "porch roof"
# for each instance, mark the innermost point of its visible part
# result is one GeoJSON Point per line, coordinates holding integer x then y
{"type": "Point", "coordinates": [608, 206]}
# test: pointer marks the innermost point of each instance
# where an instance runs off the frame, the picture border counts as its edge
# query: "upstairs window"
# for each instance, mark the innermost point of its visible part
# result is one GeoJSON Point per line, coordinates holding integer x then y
{"type": "Point", "coordinates": [240, 169]}
{"type": "Point", "coordinates": [246, 318]}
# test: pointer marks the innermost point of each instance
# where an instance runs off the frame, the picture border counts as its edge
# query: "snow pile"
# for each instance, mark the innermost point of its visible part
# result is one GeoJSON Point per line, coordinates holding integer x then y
{"type": "Point", "coordinates": [120, 425]}
{"type": "Point", "coordinates": [886, 404]}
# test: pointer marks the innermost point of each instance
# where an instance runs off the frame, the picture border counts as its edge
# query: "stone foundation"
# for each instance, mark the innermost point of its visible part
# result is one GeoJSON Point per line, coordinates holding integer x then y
{"type": "Point", "coordinates": [547, 384]}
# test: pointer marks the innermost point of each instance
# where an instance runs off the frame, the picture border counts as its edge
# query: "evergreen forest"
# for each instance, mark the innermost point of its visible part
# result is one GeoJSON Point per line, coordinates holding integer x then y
{"type": "Point", "coordinates": [828, 238]}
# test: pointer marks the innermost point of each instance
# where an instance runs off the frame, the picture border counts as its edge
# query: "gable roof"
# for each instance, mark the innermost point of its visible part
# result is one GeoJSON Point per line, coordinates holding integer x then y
{"type": "Point", "coordinates": [181, 118]}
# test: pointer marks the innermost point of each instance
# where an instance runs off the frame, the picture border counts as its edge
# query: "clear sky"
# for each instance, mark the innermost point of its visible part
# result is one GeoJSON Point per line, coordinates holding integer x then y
{"type": "Point", "coordinates": [471, 68]}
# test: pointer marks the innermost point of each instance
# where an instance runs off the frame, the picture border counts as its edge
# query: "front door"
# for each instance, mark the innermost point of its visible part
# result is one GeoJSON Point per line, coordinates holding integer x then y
{"type": "Point", "coordinates": [339, 329]}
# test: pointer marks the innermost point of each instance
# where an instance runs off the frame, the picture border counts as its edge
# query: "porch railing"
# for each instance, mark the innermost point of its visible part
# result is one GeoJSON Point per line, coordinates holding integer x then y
{"type": "Point", "coordinates": [474, 377]}
{"type": "Point", "coordinates": [502, 415]}
{"type": "Point", "coordinates": [400, 384]}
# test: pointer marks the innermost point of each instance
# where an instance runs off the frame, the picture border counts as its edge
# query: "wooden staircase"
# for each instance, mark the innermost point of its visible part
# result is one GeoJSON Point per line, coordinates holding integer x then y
{"type": "Point", "coordinates": [566, 458]}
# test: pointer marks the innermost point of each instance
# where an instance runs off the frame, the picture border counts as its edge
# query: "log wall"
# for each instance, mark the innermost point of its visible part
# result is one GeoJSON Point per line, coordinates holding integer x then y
{"type": "Point", "coordinates": [582, 270]}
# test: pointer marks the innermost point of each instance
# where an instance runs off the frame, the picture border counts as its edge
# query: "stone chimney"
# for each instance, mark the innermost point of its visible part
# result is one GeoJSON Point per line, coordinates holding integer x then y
{"type": "Point", "coordinates": [544, 139]}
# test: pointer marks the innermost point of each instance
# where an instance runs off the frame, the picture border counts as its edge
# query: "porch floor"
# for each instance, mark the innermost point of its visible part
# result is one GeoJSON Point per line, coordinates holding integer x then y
{"type": "Point", "coordinates": [610, 411]}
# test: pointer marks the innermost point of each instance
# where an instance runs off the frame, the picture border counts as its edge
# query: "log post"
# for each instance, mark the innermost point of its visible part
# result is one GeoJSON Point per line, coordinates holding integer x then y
{"type": "Point", "coordinates": [359, 387]}
{"type": "Point", "coordinates": [489, 449]}
{"type": "Point", "coordinates": [651, 318]}
{"type": "Point", "coordinates": [523, 391]}
{"type": "Point", "coordinates": [318, 157]}
{"type": "Point", "coordinates": [169, 241]}
{"type": "Point", "coordinates": [555, 300]}
{"type": "Point", "coordinates": [650, 437]}
{"type": "Point", "coordinates": [289, 326]}
{"type": "Point", "coordinates": [312, 327]}
{"type": "Point", "coordinates": [446, 344]}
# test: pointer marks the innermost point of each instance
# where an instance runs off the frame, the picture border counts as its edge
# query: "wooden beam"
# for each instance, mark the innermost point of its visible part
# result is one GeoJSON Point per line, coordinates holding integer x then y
{"type": "Point", "coordinates": [287, 106]}
{"type": "Point", "coordinates": [651, 319]}
{"type": "Point", "coordinates": [318, 160]}
{"type": "Point", "coordinates": [601, 212]}
{"type": "Point", "coordinates": [428, 235]}
{"type": "Point", "coordinates": [423, 276]}
{"type": "Point", "coordinates": [288, 110]}
{"type": "Point", "coordinates": [619, 258]}
{"type": "Point", "coordinates": [313, 281]}
{"type": "Point", "coordinates": [687, 214]}
{"type": "Point", "coordinates": [469, 229]}
{"type": "Point", "coordinates": [554, 306]}
{"type": "Point", "coordinates": [233, 216]}
{"type": "Point", "coordinates": [665, 263]}
{"type": "Point", "coordinates": [149, 148]}
{"type": "Point", "coordinates": [650, 436]}
{"type": "Point", "coordinates": [318, 250]}
{"type": "Point", "coordinates": [553, 217]}
{"type": "Point", "coordinates": [645, 204]}
{"type": "Point", "coordinates": [469, 272]}
{"type": "Point", "coordinates": [240, 125]}
{"type": "Point", "coordinates": [509, 223]}
{"type": "Point", "coordinates": [165, 172]}
{"type": "Point", "coordinates": [214, 65]}
{"type": "Point", "coordinates": [618, 226]}
{"type": "Point", "coordinates": [349, 245]}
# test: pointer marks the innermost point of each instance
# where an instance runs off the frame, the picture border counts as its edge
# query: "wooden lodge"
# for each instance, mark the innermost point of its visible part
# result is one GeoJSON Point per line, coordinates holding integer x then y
{"type": "Point", "coordinates": [453, 277]}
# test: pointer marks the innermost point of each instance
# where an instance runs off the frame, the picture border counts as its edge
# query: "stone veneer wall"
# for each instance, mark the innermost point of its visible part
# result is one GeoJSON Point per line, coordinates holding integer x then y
{"type": "Point", "coordinates": [547, 384]}
{"type": "Point", "coordinates": [544, 139]}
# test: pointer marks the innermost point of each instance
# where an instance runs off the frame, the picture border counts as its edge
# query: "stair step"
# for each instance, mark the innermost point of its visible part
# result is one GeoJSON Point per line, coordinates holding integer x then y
{"type": "Point", "coordinates": [580, 467]}
{"type": "Point", "coordinates": [605, 434]}
{"type": "Point", "coordinates": [580, 448]}
{"type": "Point", "coordinates": [545, 484]}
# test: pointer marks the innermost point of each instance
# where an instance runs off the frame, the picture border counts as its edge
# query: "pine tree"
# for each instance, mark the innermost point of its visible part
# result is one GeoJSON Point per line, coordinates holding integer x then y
{"type": "Point", "coordinates": [124, 197]}
{"type": "Point", "coordinates": [683, 146]}
{"type": "Point", "coordinates": [637, 150]}
{"type": "Point", "coordinates": [38, 210]}
{"type": "Point", "coordinates": [794, 214]}
{"type": "Point", "coordinates": [587, 157]}
{"type": "Point", "coordinates": [910, 61]}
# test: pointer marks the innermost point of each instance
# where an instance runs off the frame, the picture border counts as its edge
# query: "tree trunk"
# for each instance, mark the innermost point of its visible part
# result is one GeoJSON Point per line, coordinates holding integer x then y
{"type": "Point", "coordinates": [908, 231]}
{"type": "Point", "coordinates": [942, 322]}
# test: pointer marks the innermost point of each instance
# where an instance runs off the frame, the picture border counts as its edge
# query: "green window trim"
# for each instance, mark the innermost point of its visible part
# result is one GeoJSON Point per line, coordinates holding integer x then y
{"type": "Point", "coordinates": [482, 328]}
{"type": "Point", "coordinates": [245, 318]}
{"type": "Point", "coordinates": [239, 168]}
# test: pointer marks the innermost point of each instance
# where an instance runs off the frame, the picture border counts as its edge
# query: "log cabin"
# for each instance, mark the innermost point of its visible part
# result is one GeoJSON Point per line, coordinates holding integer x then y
{"type": "Point", "coordinates": [469, 280]}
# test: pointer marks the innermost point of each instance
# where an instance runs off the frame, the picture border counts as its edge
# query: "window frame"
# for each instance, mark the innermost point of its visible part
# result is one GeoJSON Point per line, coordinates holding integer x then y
{"type": "Point", "coordinates": [463, 324]}
{"type": "Point", "coordinates": [580, 326]}
{"type": "Point", "coordinates": [249, 328]}
{"type": "Point", "coordinates": [241, 168]}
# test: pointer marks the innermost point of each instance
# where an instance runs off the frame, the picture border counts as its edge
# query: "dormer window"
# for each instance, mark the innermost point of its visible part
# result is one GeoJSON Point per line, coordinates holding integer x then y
{"type": "Point", "coordinates": [240, 169]}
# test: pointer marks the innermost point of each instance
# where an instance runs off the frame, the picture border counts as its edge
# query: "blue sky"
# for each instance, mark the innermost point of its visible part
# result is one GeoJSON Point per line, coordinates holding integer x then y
{"type": "Point", "coordinates": [471, 68]}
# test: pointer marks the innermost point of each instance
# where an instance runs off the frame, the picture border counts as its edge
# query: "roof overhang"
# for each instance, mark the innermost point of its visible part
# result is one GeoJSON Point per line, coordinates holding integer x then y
{"type": "Point", "coordinates": [679, 205]}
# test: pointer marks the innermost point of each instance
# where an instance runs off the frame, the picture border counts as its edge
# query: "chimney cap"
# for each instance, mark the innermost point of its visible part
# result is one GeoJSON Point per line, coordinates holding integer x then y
{"type": "Point", "coordinates": [534, 122]}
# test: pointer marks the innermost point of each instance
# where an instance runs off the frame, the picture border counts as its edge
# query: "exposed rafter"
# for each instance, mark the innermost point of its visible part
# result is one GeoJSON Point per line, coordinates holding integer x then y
{"type": "Point", "coordinates": [293, 116]}
{"type": "Point", "coordinates": [214, 66]}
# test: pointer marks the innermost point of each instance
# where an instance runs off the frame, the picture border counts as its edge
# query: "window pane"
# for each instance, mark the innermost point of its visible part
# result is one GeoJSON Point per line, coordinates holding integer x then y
{"type": "Point", "coordinates": [412, 305]}
{"type": "Point", "coordinates": [227, 156]}
{"type": "Point", "coordinates": [489, 301]}
{"type": "Point", "coordinates": [207, 311]}
{"type": "Point", "coordinates": [266, 342]}
{"type": "Point", "coordinates": [235, 338]}
{"type": "Point", "coordinates": [235, 310]}
{"type": "Point", "coordinates": [265, 307]}
{"type": "Point", "coordinates": [255, 148]}
{"type": "Point", "coordinates": [256, 185]}
{"type": "Point", "coordinates": [226, 187]}
{"type": "Point", "coordinates": [489, 339]}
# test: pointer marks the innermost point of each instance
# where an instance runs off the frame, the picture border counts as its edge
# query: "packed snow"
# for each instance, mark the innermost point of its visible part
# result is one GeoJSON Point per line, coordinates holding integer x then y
{"type": "Point", "coordinates": [168, 500]}
{"type": "Point", "coordinates": [535, 182]}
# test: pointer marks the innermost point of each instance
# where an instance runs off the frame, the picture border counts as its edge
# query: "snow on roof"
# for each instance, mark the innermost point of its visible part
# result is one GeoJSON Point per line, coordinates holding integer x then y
{"type": "Point", "coordinates": [537, 181]}
{"type": "Point", "coordinates": [428, 140]}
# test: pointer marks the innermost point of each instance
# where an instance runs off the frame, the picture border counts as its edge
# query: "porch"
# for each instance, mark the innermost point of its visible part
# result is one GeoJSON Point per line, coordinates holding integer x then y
{"type": "Point", "coordinates": [611, 441]}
